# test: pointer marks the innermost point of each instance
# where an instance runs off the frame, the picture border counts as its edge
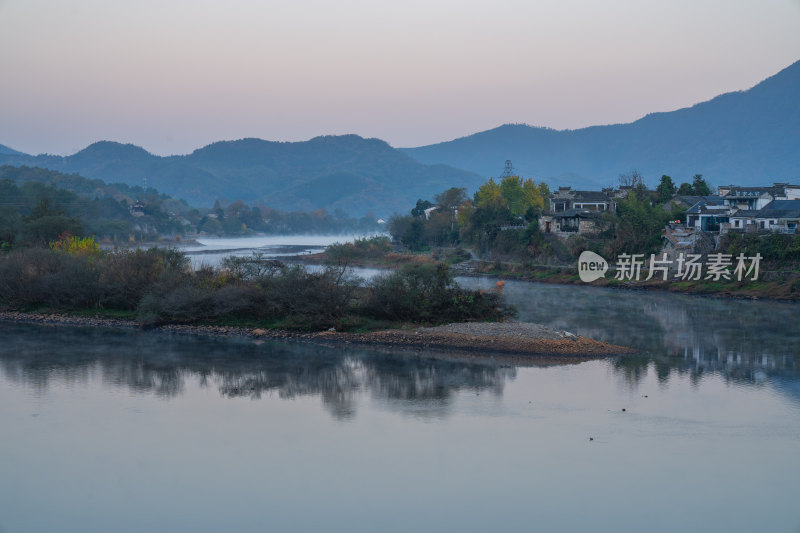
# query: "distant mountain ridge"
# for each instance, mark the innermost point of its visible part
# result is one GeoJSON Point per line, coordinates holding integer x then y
{"type": "Point", "coordinates": [5, 150]}
{"type": "Point", "coordinates": [747, 137]}
{"type": "Point", "coordinates": [344, 172]}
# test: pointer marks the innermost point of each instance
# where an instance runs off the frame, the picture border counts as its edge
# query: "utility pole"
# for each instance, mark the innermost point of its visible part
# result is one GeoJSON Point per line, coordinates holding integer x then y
{"type": "Point", "coordinates": [509, 171]}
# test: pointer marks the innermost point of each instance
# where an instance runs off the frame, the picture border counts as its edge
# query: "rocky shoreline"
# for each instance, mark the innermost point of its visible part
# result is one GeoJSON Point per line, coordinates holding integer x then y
{"type": "Point", "coordinates": [487, 338]}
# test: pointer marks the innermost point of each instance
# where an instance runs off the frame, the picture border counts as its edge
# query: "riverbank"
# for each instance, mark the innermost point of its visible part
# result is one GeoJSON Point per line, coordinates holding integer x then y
{"type": "Point", "coordinates": [782, 286]}
{"type": "Point", "coordinates": [508, 338]}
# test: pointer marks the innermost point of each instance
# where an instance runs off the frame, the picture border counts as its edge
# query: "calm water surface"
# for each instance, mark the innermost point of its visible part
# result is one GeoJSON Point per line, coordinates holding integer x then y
{"type": "Point", "coordinates": [211, 250]}
{"type": "Point", "coordinates": [136, 431]}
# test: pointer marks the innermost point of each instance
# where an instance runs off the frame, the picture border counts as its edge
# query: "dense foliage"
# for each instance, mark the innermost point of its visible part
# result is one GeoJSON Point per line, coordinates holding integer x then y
{"type": "Point", "coordinates": [773, 247]}
{"type": "Point", "coordinates": [37, 205]}
{"type": "Point", "coordinates": [428, 293]}
{"type": "Point", "coordinates": [360, 249]}
{"type": "Point", "coordinates": [35, 214]}
{"type": "Point", "coordinates": [237, 218]}
{"type": "Point", "coordinates": [453, 219]}
{"type": "Point", "coordinates": [161, 288]}
{"type": "Point", "coordinates": [636, 226]}
{"type": "Point", "coordinates": [501, 222]}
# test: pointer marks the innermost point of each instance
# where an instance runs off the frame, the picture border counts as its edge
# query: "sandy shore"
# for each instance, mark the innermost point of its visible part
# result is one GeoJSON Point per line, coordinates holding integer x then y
{"type": "Point", "coordinates": [509, 338]}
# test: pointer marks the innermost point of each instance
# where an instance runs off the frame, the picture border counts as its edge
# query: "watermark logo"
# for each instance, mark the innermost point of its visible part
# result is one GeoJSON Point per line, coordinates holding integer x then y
{"type": "Point", "coordinates": [591, 266]}
{"type": "Point", "coordinates": [687, 267]}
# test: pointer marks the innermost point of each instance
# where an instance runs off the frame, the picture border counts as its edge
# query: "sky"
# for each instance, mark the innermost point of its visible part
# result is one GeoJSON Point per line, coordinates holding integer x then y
{"type": "Point", "coordinates": [173, 76]}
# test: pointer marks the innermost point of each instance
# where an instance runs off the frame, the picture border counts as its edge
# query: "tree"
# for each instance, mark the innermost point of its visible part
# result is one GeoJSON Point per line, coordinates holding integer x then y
{"type": "Point", "coordinates": [419, 209]}
{"type": "Point", "coordinates": [631, 179]}
{"type": "Point", "coordinates": [451, 198]}
{"type": "Point", "coordinates": [536, 195]}
{"type": "Point", "coordinates": [699, 186]}
{"type": "Point", "coordinates": [514, 196]}
{"type": "Point", "coordinates": [665, 189]}
{"type": "Point", "coordinates": [408, 230]}
{"type": "Point", "coordinates": [489, 194]}
{"type": "Point", "coordinates": [637, 226]}
{"type": "Point", "coordinates": [685, 189]}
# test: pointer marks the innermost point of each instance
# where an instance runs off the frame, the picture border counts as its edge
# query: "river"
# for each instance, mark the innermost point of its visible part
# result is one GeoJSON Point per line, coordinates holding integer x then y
{"type": "Point", "coordinates": [121, 431]}
{"type": "Point", "coordinates": [211, 250]}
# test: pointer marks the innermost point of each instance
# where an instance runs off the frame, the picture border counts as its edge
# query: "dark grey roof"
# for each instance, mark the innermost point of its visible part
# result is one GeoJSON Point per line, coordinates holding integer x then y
{"type": "Point", "coordinates": [703, 201]}
{"type": "Point", "coordinates": [780, 209]}
{"type": "Point", "coordinates": [580, 213]}
{"type": "Point", "coordinates": [590, 196]}
{"type": "Point", "coordinates": [745, 213]}
{"type": "Point", "coordinates": [753, 192]}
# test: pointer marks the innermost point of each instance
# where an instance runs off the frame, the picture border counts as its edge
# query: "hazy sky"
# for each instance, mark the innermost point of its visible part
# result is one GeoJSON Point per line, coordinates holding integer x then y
{"type": "Point", "coordinates": [172, 76]}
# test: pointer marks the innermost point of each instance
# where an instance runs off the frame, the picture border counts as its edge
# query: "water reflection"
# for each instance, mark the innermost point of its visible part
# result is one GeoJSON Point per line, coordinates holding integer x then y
{"type": "Point", "coordinates": [748, 342]}
{"type": "Point", "coordinates": [745, 341]}
{"type": "Point", "coordinates": [161, 364]}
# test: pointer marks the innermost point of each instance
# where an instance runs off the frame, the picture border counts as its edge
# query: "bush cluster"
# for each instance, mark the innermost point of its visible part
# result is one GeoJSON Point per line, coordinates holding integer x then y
{"type": "Point", "coordinates": [367, 248]}
{"type": "Point", "coordinates": [161, 287]}
{"type": "Point", "coordinates": [36, 277]}
{"type": "Point", "coordinates": [428, 293]}
{"type": "Point", "coordinates": [774, 248]}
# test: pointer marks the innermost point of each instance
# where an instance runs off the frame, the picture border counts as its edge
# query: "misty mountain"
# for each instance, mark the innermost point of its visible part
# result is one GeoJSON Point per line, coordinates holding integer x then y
{"type": "Point", "coordinates": [346, 172]}
{"type": "Point", "coordinates": [5, 150]}
{"type": "Point", "coordinates": [748, 137]}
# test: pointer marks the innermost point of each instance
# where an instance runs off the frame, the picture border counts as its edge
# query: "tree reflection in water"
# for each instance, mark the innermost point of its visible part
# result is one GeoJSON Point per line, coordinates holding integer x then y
{"type": "Point", "coordinates": [161, 364]}
{"type": "Point", "coordinates": [741, 340]}
{"type": "Point", "coordinates": [744, 341]}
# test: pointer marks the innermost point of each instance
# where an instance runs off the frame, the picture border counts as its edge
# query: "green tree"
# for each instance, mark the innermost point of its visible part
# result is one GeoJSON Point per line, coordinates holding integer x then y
{"type": "Point", "coordinates": [638, 225]}
{"type": "Point", "coordinates": [419, 209]}
{"type": "Point", "coordinates": [685, 189]}
{"type": "Point", "coordinates": [513, 194]}
{"type": "Point", "coordinates": [665, 189]}
{"type": "Point", "coordinates": [699, 186]}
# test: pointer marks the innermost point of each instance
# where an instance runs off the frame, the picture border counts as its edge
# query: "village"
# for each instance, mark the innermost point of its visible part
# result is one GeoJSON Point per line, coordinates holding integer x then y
{"type": "Point", "coordinates": [706, 218]}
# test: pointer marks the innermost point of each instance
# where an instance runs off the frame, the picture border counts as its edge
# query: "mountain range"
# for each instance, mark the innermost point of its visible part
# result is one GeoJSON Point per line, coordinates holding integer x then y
{"type": "Point", "coordinates": [344, 172]}
{"type": "Point", "coordinates": [749, 137]}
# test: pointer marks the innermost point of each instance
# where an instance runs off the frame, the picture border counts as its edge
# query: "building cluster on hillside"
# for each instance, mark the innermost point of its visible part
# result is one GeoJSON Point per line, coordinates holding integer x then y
{"type": "Point", "coordinates": [774, 208]}
{"type": "Point", "coordinates": [747, 209]}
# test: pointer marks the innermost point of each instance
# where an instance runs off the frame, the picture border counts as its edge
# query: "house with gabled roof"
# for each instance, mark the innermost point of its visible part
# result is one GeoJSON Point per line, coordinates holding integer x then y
{"type": "Point", "coordinates": [565, 198]}
{"type": "Point", "coordinates": [755, 198]}
{"type": "Point", "coordinates": [708, 214]}
{"type": "Point", "coordinates": [780, 215]}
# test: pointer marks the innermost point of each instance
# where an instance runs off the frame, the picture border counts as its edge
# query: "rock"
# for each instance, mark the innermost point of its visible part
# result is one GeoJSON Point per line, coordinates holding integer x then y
{"type": "Point", "coordinates": [259, 332]}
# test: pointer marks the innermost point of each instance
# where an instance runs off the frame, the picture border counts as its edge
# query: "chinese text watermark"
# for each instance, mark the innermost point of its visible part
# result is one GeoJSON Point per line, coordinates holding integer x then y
{"type": "Point", "coordinates": [689, 267]}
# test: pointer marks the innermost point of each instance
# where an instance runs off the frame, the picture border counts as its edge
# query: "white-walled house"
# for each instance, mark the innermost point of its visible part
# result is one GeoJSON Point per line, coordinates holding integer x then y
{"type": "Point", "coordinates": [779, 215]}
{"type": "Point", "coordinates": [755, 198]}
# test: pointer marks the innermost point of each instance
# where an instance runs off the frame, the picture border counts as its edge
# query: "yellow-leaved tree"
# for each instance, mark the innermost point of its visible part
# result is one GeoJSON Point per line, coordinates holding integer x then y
{"type": "Point", "coordinates": [513, 193]}
{"type": "Point", "coordinates": [77, 246]}
{"type": "Point", "coordinates": [489, 195]}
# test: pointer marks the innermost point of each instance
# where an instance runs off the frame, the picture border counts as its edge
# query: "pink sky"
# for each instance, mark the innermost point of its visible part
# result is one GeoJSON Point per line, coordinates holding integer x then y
{"type": "Point", "coordinates": [174, 76]}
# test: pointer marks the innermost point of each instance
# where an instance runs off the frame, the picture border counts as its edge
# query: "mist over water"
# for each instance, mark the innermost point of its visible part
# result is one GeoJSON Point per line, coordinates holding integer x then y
{"type": "Point", "coordinates": [211, 250]}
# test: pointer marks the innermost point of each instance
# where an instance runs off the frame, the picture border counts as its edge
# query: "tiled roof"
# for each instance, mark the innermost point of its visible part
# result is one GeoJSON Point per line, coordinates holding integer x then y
{"type": "Point", "coordinates": [590, 196]}
{"type": "Point", "coordinates": [780, 209]}
{"type": "Point", "coordinates": [753, 192]}
{"type": "Point", "coordinates": [581, 213]}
